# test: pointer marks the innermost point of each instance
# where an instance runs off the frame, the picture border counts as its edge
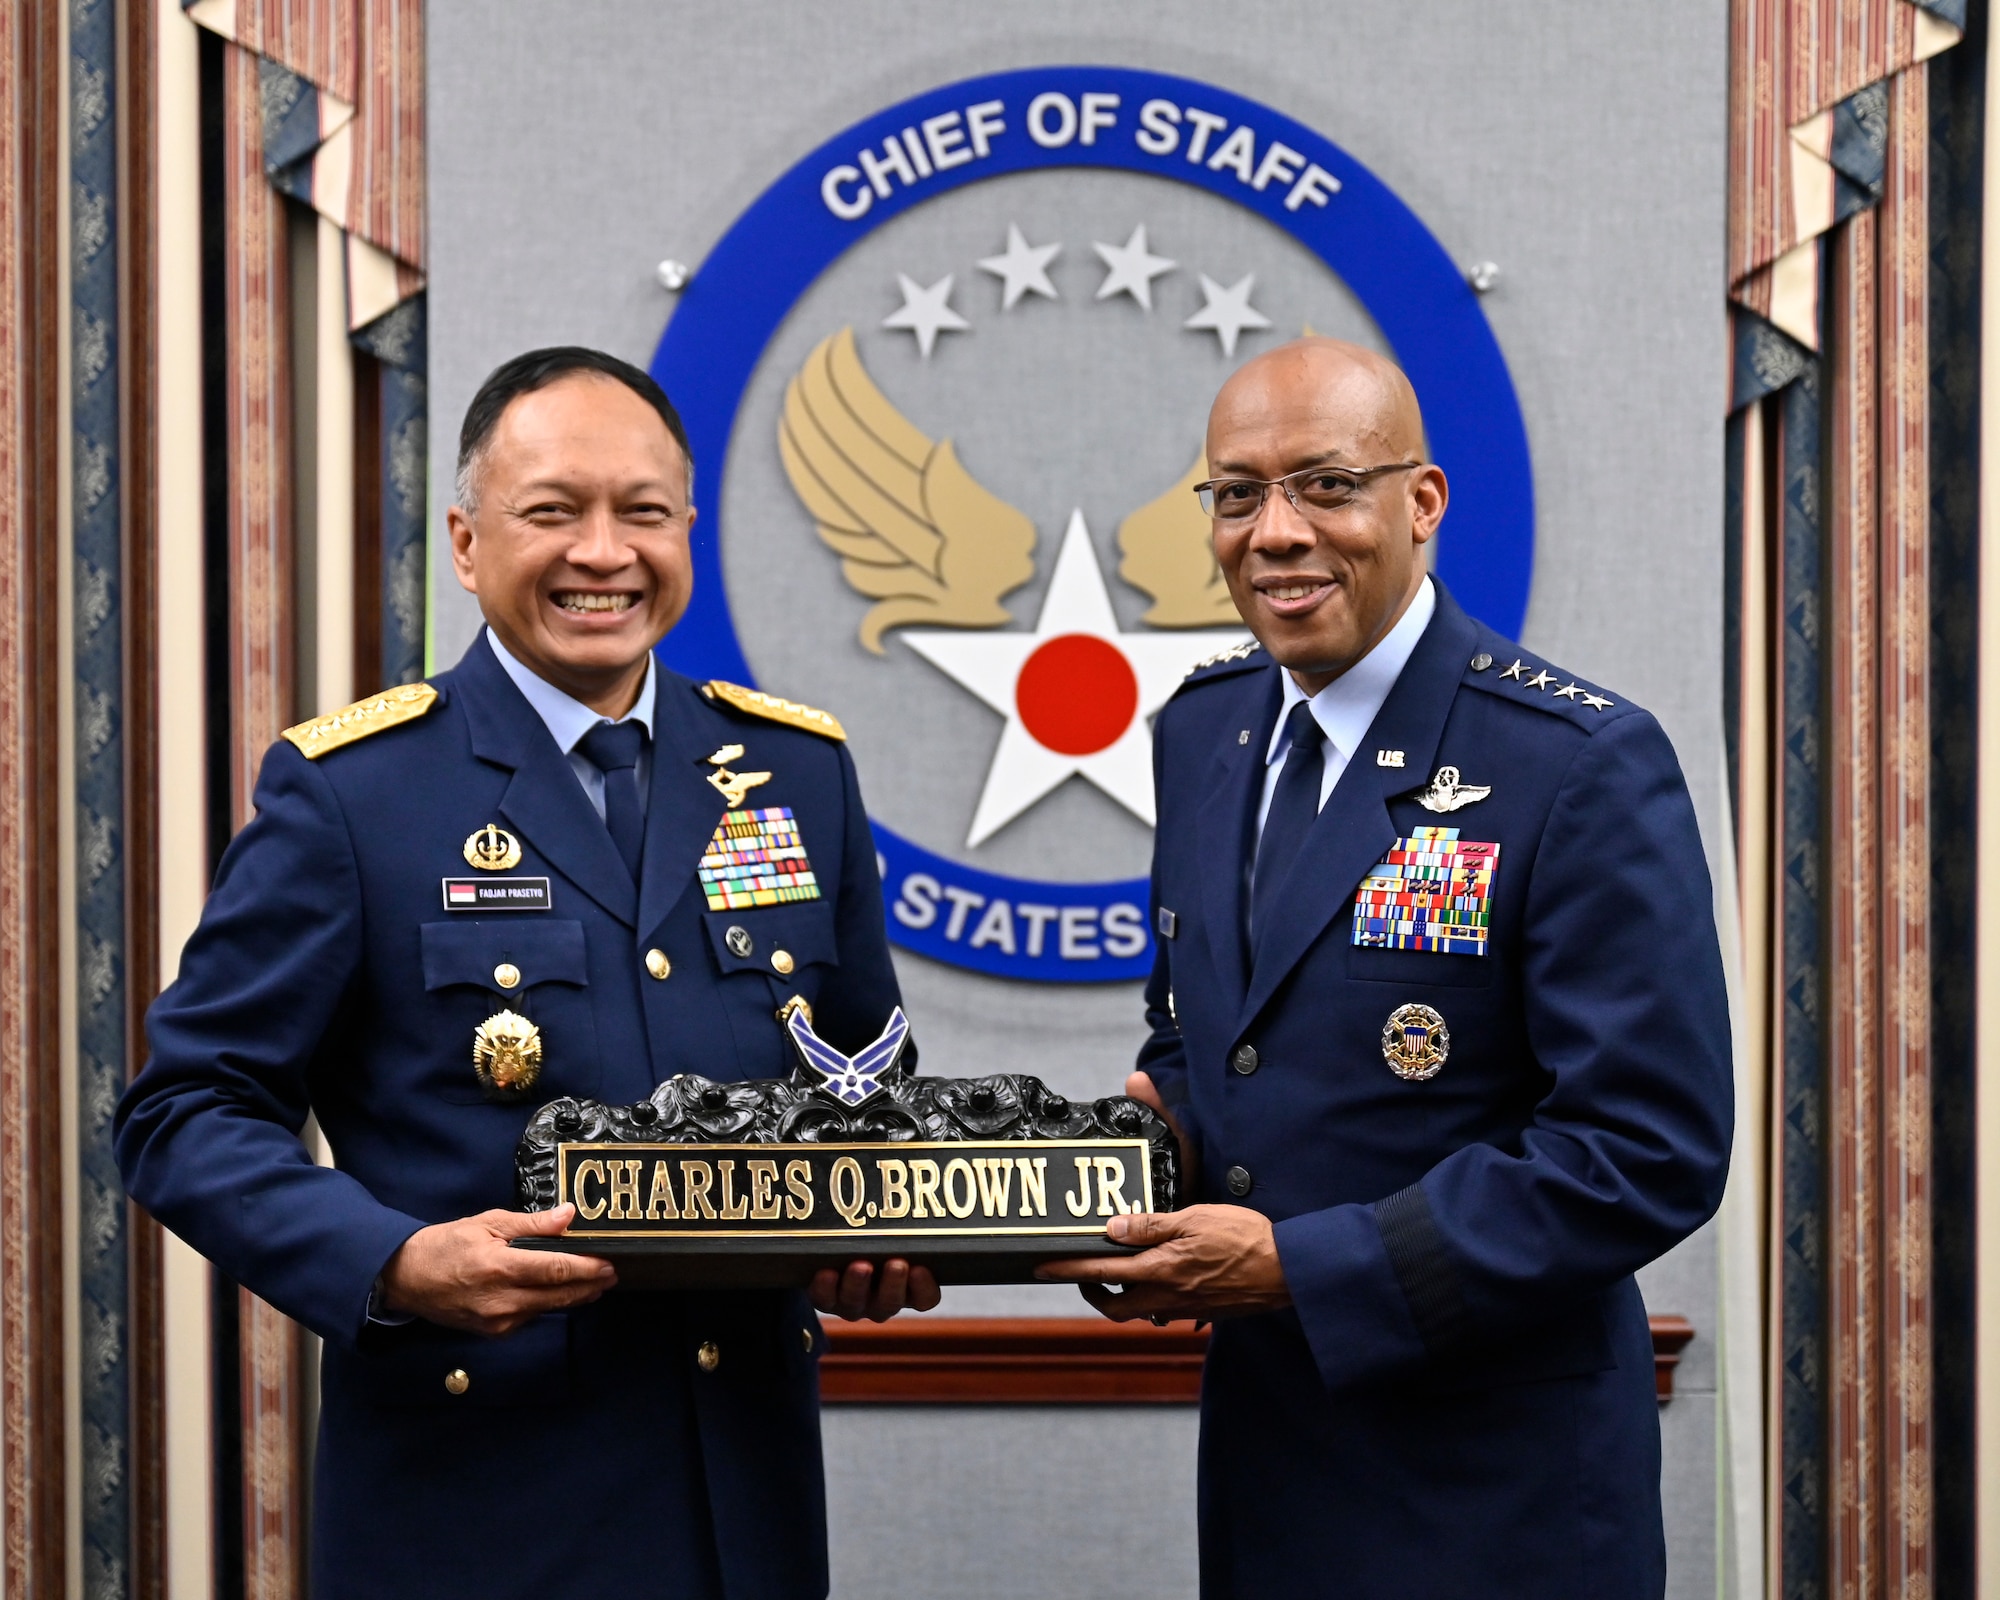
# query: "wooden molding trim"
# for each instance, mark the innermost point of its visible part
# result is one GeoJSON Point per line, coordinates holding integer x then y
{"type": "Point", "coordinates": [1055, 1361]}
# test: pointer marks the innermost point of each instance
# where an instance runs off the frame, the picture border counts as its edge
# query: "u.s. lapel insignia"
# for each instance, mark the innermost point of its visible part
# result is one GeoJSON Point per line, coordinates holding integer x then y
{"type": "Point", "coordinates": [1388, 758]}
{"type": "Point", "coordinates": [849, 1079]}
{"type": "Point", "coordinates": [733, 786]}
{"type": "Point", "coordinates": [1415, 1042]}
{"type": "Point", "coordinates": [493, 849]}
{"type": "Point", "coordinates": [507, 1053]}
{"type": "Point", "coordinates": [1446, 793]}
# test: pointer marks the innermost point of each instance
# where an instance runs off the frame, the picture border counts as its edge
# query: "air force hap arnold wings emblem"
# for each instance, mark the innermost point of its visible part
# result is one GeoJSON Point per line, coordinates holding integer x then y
{"type": "Point", "coordinates": [914, 392]}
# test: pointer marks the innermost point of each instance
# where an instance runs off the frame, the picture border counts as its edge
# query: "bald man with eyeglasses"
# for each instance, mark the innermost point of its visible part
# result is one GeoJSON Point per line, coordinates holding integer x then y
{"type": "Point", "coordinates": [1438, 1011]}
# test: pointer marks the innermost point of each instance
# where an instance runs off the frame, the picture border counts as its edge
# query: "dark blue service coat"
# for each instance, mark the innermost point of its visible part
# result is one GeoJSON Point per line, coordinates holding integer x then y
{"type": "Point", "coordinates": [590, 1452]}
{"type": "Point", "coordinates": [1461, 1401]}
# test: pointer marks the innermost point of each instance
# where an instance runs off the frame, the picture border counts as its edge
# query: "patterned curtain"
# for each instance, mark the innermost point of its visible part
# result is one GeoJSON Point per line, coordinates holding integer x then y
{"type": "Point", "coordinates": [1830, 1307]}
{"type": "Point", "coordinates": [321, 103]}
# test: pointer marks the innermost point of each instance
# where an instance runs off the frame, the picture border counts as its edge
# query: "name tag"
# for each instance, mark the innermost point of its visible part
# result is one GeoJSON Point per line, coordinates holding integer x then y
{"type": "Point", "coordinates": [497, 894]}
{"type": "Point", "coordinates": [1430, 892]}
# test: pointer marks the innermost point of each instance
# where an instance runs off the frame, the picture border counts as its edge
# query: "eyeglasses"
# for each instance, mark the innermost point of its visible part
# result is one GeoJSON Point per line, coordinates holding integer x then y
{"type": "Point", "coordinates": [1310, 490]}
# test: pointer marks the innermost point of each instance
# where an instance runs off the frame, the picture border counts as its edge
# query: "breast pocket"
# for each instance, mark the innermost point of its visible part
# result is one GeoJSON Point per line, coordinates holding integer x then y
{"type": "Point", "coordinates": [766, 955]}
{"type": "Point", "coordinates": [537, 969]}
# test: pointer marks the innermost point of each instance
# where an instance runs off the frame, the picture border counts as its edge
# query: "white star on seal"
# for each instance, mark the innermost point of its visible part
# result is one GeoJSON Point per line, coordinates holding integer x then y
{"type": "Point", "coordinates": [1132, 268]}
{"type": "Point", "coordinates": [1077, 621]}
{"type": "Point", "coordinates": [926, 312]}
{"type": "Point", "coordinates": [1025, 268]}
{"type": "Point", "coordinates": [1228, 311]}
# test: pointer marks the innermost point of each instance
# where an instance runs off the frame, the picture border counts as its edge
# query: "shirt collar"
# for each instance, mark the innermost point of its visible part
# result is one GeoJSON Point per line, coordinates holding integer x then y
{"type": "Point", "coordinates": [568, 720]}
{"type": "Point", "coordinates": [1346, 707]}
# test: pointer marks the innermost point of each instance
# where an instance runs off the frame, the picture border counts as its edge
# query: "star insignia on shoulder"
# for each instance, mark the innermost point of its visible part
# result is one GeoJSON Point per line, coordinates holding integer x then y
{"type": "Point", "coordinates": [1540, 680]}
{"type": "Point", "coordinates": [1515, 671]}
{"type": "Point", "coordinates": [1235, 652]}
{"type": "Point", "coordinates": [1597, 702]}
{"type": "Point", "coordinates": [1568, 691]}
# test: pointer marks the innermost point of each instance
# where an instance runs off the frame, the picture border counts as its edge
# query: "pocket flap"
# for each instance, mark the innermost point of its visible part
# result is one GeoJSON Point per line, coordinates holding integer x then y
{"type": "Point", "coordinates": [544, 951]}
{"type": "Point", "coordinates": [749, 941]}
{"type": "Point", "coordinates": [425, 1365]}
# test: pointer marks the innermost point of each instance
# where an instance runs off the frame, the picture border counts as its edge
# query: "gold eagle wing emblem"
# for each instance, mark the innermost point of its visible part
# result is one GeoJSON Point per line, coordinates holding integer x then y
{"type": "Point", "coordinates": [1165, 553]}
{"type": "Point", "coordinates": [915, 532]}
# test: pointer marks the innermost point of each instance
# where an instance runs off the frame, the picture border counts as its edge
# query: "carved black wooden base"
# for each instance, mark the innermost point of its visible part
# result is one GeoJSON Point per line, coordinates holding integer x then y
{"type": "Point", "coordinates": [692, 1112]}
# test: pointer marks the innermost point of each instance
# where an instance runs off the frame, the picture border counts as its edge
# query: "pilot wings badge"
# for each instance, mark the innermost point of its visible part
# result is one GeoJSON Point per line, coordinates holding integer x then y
{"type": "Point", "coordinates": [1446, 793]}
{"type": "Point", "coordinates": [849, 1079]}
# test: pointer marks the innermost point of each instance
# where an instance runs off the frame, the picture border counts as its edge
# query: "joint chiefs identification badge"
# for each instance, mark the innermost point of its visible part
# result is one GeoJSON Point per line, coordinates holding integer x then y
{"type": "Point", "coordinates": [507, 1053]}
{"type": "Point", "coordinates": [1415, 1042]}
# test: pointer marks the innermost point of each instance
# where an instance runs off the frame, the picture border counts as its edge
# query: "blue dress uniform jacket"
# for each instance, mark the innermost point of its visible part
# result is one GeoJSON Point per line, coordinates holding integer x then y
{"type": "Point", "coordinates": [590, 1451]}
{"type": "Point", "coordinates": [1461, 1400]}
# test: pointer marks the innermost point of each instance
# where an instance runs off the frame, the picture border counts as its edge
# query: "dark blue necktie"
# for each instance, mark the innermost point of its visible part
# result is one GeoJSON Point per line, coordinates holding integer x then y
{"type": "Point", "coordinates": [1294, 804]}
{"type": "Point", "coordinates": [613, 748]}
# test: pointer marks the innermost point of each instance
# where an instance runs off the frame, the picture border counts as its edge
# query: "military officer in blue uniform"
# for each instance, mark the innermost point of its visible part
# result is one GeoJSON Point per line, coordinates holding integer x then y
{"type": "Point", "coordinates": [457, 901]}
{"type": "Point", "coordinates": [1439, 1008]}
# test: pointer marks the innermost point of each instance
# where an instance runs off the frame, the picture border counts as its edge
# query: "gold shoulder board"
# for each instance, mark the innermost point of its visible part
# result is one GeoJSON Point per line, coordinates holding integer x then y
{"type": "Point", "coordinates": [773, 709]}
{"type": "Point", "coordinates": [404, 703]}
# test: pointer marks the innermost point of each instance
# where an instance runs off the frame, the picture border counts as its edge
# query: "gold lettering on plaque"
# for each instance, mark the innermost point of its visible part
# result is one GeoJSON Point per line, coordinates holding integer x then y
{"type": "Point", "coordinates": [895, 1186]}
{"type": "Point", "coordinates": [660, 1205]}
{"type": "Point", "coordinates": [798, 1183]}
{"type": "Point", "coordinates": [1035, 1181]}
{"type": "Point", "coordinates": [584, 1208]}
{"type": "Point", "coordinates": [849, 1190]}
{"type": "Point", "coordinates": [1111, 1187]}
{"type": "Point", "coordinates": [696, 1177]}
{"type": "Point", "coordinates": [763, 1179]}
{"type": "Point", "coordinates": [625, 1191]}
{"type": "Point", "coordinates": [959, 1167]}
{"type": "Point", "coordinates": [924, 1200]}
{"type": "Point", "coordinates": [1079, 1203]}
{"type": "Point", "coordinates": [996, 1177]}
{"type": "Point", "coordinates": [734, 1207]}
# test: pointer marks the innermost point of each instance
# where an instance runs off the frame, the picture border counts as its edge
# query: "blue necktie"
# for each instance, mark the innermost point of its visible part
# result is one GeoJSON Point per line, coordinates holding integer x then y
{"type": "Point", "coordinates": [613, 748]}
{"type": "Point", "coordinates": [1294, 804]}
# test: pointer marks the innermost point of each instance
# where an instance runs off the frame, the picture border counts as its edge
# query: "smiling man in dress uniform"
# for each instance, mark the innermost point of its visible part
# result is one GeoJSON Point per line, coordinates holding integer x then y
{"type": "Point", "coordinates": [1439, 1009]}
{"type": "Point", "coordinates": [460, 900]}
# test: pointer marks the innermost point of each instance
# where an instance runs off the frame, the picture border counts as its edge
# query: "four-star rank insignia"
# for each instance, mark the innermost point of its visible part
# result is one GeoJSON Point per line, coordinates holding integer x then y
{"type": "Point", "coordinates": [1415, 1042]}
{"type": "Point", "coordinates": [849, 1079]}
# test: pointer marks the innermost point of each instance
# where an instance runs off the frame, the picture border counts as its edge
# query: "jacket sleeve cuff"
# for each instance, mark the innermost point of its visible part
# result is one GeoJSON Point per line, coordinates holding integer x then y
{"type": "Point", "coordinates": [1347, 1288]}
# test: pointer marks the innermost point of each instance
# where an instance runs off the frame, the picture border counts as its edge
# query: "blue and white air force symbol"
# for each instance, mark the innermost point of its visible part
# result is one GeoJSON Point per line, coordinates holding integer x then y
{"type": "Point", "coordinates": [932, 554]}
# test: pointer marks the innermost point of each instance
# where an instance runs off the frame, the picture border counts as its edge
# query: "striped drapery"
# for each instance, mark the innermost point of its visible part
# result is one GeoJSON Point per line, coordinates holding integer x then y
{"type": "Point", "coordinates": [1805, 123]}
{"type": "Point", "coordinates": [1830, 717]}
{"type": "Point", "coordinates": [321, 103]}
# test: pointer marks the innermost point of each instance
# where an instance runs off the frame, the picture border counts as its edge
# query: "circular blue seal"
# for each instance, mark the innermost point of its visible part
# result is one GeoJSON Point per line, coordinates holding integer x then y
{"type": "Point", "coordinates": [1127, 120]}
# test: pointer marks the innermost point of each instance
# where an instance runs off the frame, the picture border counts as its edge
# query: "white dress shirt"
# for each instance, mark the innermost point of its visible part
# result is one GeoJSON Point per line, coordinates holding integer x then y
{"type": "Point", "coordinates": [569, 720]}
{"type": "Point", "coordinates": [1346, 707]}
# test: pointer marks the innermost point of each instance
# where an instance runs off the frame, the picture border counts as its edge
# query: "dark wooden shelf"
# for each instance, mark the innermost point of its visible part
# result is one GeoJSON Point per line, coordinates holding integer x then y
{"type": "Point", "coordinates": [1055, 1361]}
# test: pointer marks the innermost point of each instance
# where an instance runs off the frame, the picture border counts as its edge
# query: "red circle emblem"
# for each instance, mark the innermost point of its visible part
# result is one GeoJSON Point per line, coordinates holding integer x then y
{"type": "Point", "coordinates": [1077, 694]}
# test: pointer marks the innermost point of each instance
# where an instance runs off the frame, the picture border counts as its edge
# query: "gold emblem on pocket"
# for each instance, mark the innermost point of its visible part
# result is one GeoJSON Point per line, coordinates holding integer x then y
{"type": "Point", "coordinates": [493, 849]}
{"type": "Point", "coordinates": [1415, 1042]}
{"type": "Point", "coordinates": [507, 1053]}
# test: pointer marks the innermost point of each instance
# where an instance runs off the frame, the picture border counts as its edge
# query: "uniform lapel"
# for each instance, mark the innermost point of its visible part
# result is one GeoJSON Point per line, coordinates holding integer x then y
{"type": "Point", "coordinates": [1227, 810]}
{"type": "Point", "coordinates": [544, 801]}
{"type": "Point", "coordinates": [1354, 828]}
{"type": "Point", "coordinates": [682, 808]}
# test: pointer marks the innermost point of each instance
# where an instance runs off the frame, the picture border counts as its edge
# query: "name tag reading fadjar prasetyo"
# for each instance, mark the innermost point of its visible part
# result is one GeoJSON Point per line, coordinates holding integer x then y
{"type": "Point", "coordinates": [497, 894]}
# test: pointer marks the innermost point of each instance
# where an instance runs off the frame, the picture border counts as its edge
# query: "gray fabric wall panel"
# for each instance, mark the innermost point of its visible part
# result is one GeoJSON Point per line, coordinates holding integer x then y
{"type": "Point", "coordinates": [1578, 145]}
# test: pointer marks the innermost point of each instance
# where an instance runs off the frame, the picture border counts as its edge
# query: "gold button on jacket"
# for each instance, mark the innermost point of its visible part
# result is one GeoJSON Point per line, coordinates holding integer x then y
{"type": "Point", "coordinates": [709, 1356]}
{"type": "Point", "coordinates": [658, 964]}
{"type": "Point", "coordinates": [506, 974]}
{"type": "Point", "coordinates": [781, 962]}
{"type": "Point", "coordinates": [456, 1381]}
